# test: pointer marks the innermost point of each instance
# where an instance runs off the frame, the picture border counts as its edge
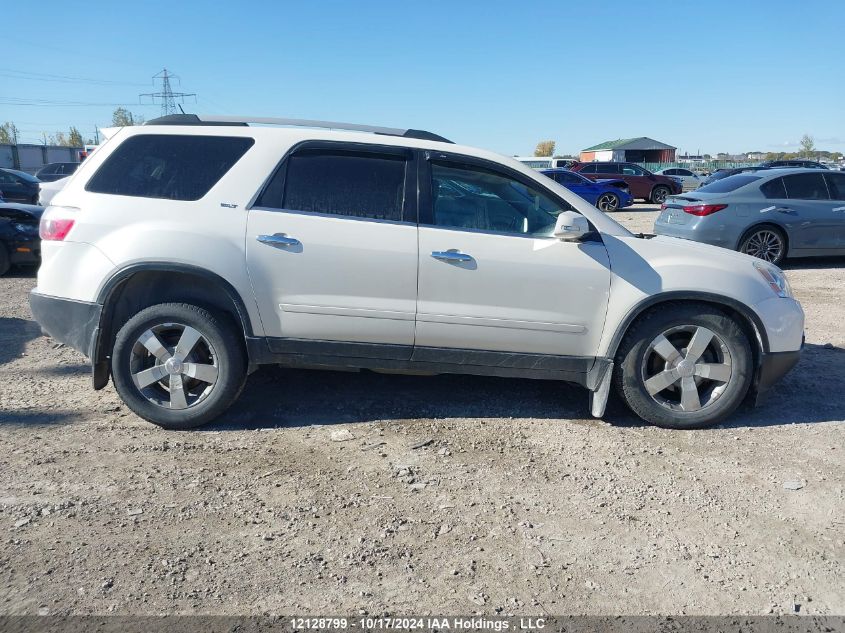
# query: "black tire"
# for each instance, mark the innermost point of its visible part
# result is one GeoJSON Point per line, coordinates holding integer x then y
{"type": "Point", "coordinates": [608, 202]}
{"type": "Point", "coordinates": [659, 194]}
{"type": "Point", "coordinates": [635, 364]}
{"type": "Point", "coordinates": [5, 265]}
{"type": "Point", "coordinates": [220, 345]}
{"type": "Point", "coordinates": [766, 242]}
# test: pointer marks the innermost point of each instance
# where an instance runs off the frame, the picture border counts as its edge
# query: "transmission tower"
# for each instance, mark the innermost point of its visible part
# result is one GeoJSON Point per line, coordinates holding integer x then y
{"type": "Point", "coordinates": [167, 98]}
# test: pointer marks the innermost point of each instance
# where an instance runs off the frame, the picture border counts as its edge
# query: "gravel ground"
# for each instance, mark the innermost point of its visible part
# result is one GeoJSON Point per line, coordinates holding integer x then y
{"type": "Point", "coordinates": [360, 492]}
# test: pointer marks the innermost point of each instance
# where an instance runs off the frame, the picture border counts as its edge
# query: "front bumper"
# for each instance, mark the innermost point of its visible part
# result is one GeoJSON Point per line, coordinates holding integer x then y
{"type": "Point", "coordinates": [74, 323]}
{"type": "Point", "coordinates": [773, 367]}
{"type": "Point", "coordinates": [24, 252]}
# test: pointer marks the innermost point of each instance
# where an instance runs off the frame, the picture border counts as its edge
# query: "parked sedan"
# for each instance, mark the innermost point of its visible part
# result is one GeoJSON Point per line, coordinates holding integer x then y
{"type": "Point", "coordinates": [18, 186]}
{"type": "Point", "coordinates": [56, 171]}
{"type": "Point", "coordinates": [643, 184]}
{"type": "Point", "coordinates": [19, 241]}
{"type": "Point", "coordinates": [689, 180]}
{"type": "Point", "coordinates": [771, 214]}
{"type": "Point", "coordinates": [608, 194]}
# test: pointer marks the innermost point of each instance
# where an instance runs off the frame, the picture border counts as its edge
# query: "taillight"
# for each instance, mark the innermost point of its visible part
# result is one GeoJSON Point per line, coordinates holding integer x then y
{"type": "Point", "coordinates": [54, 229]}
{"type": "Point", "coordinates": [704, 209]}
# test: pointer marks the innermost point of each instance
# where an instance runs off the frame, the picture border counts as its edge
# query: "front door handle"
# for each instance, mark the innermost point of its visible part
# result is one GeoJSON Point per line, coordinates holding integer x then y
{"type": "Point", "coordinates": [279, 240]}
{"type": "Point", "coordinates": [451, 256]}
{"type": "Point", "coordinates": [839, 209]}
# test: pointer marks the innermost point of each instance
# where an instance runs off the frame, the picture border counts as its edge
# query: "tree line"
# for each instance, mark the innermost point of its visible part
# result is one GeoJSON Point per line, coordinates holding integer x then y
{"type": "Point", "coordinates": [121, 117]}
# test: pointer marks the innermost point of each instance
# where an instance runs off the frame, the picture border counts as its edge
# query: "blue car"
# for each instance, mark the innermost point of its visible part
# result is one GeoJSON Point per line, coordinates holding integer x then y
{"type": "Point", "coordinates": [607, 195]}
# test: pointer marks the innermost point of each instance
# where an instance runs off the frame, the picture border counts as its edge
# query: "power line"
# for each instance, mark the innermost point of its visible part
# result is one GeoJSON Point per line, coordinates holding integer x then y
{"type": "Point", "coordinates": [167, 98]}
{"type": "Point", "coordinates": [33, 76]}
{"type": "Point", "coordinates": [23, 101]}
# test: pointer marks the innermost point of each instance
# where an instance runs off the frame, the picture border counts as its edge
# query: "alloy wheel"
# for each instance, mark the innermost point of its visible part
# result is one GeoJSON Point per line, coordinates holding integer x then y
{"type": "Point", "coordinates": [659, 196]}
{"type": "Point", "coordinates": [687, 368]}
{"type": "Point", "coordinates": [764, 244]}
{"type": "Point", "coordinates": [174, 366]}
{"type": "Point", "coordinates": [607, 202]}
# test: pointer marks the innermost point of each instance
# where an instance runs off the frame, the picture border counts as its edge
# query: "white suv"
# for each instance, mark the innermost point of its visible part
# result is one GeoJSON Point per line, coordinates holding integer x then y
{"type": "Point", "coordinates": [186, 252]}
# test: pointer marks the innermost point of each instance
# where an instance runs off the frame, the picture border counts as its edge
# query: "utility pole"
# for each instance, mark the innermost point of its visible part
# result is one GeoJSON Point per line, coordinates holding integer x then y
{"type": "Point", "coordinates": [166, 97]}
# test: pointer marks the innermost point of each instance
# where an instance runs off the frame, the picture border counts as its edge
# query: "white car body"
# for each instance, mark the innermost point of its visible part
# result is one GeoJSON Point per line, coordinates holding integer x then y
{"type": "Point", "coordinates": [375, 284]}
{"type": "Point", "coordinates": [689, 180]}
{"type": "Point", "coordinates": [48, 190]}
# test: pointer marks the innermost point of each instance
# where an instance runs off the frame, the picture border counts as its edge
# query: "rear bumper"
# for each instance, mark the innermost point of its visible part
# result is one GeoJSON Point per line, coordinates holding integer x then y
{"type": "Point", "coordinates": [717, 237]}
{"type": "Point", "coordinates": [74, 323]}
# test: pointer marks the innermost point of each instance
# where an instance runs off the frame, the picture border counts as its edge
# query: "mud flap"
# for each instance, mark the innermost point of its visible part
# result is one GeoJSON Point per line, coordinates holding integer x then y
{"type": "Point", "coordinates": [599, 396]}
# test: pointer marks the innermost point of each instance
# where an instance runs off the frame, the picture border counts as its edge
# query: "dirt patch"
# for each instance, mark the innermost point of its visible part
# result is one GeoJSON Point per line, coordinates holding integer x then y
{"type": "Point", "coordinates": [445, 494]}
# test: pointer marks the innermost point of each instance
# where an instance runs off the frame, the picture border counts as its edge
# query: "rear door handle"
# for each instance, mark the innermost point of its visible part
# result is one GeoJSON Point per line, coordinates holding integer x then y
{"type": "Point", "coordinates": [839, 209]}
{"type": "Point", "coordinates": [279, 240]}
{"type": "Point", "coordinates": [451, 256]}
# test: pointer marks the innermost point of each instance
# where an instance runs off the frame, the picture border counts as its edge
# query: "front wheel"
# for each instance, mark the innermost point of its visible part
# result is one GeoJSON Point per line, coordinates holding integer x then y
{"type": "Point", "coordinates": [608, 202]}
{"type": "Point", "coordinates": [659, 194]}
{"type": "Point", "coordinates": [178, 365]}
{"type": "Point", "coordinates": [684, 366]}
{"type": "Point", "coordinates": [765, 242]}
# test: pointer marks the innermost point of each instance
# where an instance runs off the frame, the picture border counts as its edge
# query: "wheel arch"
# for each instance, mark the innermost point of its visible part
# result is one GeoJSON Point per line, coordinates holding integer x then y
{"type": "Point", "coordinates": [780, 227]}
{"type": "Point", "coordinates": [159, 282]}
{"type": "Point", "coordinates": [746, 317]}
{"type": "Point", "coordinates": [665, 186]}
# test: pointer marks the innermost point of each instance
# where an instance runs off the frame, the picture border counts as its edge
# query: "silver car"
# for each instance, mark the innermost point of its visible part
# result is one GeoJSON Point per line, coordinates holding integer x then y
{"type": "Point", "coordinates": [771, 214]}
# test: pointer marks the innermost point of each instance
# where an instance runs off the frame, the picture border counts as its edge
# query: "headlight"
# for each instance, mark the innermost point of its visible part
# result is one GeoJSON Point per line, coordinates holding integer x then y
{"type": "Point", "coordinates": [775, 278]}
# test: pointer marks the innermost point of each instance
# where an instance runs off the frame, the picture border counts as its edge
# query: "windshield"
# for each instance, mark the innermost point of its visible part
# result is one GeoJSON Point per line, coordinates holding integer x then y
{"type": "Point", "coordinates": [730, 183]}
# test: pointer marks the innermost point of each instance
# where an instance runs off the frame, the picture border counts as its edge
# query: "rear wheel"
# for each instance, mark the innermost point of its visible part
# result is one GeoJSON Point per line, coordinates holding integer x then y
{"type": "Point", "coordinates": [684, 366]}
{"type": "Point", "coordinates": [178, 365]}
{"type": "Point", "coordinates": [764, 242]}
{"type": "Point", "coordinates": [608, 202]}
{"type": "Point", "coordinates": [659, 194]}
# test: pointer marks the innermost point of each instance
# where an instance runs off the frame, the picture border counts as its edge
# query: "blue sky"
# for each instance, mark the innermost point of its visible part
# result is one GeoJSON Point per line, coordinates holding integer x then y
{"type": "Point", "coordinates": [711, 75]}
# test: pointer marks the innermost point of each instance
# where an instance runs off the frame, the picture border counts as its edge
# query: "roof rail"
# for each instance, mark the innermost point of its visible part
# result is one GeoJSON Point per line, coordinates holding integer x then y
{"type": "Point", "coordinates": [205, 119]}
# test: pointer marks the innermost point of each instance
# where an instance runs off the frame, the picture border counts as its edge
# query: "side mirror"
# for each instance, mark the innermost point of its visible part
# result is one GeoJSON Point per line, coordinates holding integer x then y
{"type": "Point", "coordinates": [571, 226]}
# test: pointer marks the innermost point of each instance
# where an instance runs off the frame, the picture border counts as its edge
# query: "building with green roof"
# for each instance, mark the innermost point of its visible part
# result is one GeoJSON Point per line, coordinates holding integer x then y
{"type": "Point", "coordinates": [630, 150]}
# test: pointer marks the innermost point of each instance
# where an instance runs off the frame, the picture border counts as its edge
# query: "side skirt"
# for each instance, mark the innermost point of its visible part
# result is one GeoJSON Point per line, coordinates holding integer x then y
{"type": "Point", "coordinates": [586, 371]}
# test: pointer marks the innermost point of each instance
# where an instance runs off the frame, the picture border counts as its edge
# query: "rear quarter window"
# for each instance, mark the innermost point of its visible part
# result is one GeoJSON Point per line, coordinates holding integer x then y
{"type": "Point", "coordinates": [774, 189]}
{"type": "Point", "coordinates": [168, 166]}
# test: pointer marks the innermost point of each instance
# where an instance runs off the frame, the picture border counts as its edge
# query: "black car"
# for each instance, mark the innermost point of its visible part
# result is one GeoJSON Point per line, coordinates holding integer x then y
{"type": "Point", "coordinates": [55, 171]}
{"type": "Point", "coordinates": [793, 162]}
{"type": "Point", "coordinates": [18, 186]}
{"type": "Point", "coordinates": [19, 241]}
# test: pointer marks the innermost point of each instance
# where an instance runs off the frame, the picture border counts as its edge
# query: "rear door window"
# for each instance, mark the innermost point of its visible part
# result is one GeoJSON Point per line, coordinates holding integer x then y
{"type": "Point", "coordinates": [806, 186]}
{"type": "Point", "coordinates": [358, 184]}
{"type": "Point", "coordinates": [168, 166]}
